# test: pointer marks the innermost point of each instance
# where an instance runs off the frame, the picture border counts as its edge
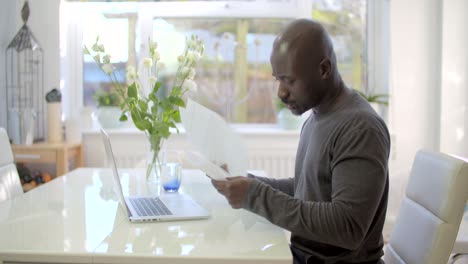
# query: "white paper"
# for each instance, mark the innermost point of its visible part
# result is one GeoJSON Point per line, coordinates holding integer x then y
{"type": "Point", "coordinates": [212, 170]}
{"type": "Point", "coordinates": [214, 138]}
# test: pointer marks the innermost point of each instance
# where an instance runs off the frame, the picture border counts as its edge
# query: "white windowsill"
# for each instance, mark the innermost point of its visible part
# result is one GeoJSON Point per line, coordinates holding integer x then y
{"type": "Point", "coordinates": [243, 129]}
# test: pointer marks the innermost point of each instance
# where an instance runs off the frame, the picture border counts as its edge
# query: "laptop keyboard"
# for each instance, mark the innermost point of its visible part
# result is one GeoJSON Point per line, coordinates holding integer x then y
{"type": "Point", "coordinates": [146, 206]}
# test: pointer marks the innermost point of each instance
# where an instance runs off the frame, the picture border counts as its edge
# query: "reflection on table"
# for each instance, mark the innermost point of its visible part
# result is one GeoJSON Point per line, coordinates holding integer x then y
{"type": "Point", "coordinates": [77, 219]}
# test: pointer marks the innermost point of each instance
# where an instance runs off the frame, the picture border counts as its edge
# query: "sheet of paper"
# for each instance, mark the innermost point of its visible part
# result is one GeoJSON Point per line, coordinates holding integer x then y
{"type": "Point", "coordinates": [211, 169]}
{"type": "Point", "coordinates": [209, 133]}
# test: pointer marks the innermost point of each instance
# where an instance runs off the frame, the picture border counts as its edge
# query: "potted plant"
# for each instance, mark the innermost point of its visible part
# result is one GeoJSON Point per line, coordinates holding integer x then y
{"type": "Point", "coordinates": [108, 112]}
{"type": "Point", "coordinates": [377, 101]}
{"type": "Point", "coordinates": [286, 119]}
{"type": "Point", "coordinates": [153, 114]}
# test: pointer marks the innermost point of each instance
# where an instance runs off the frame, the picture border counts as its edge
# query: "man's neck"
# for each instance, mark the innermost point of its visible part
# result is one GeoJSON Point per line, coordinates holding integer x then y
{"type": "Point", "coordinates": [331, 99]}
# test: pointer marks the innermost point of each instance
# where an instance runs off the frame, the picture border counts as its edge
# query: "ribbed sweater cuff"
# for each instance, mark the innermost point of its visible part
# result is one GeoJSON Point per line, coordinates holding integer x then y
{"type": "Point", "coordinates": [252, 194]}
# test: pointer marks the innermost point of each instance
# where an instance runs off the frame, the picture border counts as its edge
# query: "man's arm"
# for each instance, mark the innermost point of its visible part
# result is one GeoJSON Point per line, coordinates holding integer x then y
{"type": "Point", "coordinates": [359, 180]}
{"type": "Point", "coordinates": [284, 185]}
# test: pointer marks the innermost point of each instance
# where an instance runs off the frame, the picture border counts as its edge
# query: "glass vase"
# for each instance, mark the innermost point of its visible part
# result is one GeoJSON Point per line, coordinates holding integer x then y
{"type": "Point", "coordinates": [154, 160]}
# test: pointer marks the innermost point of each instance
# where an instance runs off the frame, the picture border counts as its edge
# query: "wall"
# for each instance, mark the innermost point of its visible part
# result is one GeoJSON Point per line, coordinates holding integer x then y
{"type": "Point", "coordinates": [44, 23]}
{"type": "Point", "coordinates": [7, 32]}
{"type": "Point", "coordinates": [454, 122]}
{"type": "Point", "coordinates": [415, 77]}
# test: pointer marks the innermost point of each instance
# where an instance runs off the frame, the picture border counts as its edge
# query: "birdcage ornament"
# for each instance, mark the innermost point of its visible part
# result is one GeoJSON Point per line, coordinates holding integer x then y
{"type": "Point", "coordinates": [25, 86]}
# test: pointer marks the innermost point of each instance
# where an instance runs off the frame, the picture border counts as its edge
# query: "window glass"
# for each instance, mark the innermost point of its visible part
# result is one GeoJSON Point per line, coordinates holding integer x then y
{"type": "Point", "coordinates": [234, 77]}
{"type": "Point", "coordinates": [345, 21]}
{"type": "Point", "coordinates": [113, 31]}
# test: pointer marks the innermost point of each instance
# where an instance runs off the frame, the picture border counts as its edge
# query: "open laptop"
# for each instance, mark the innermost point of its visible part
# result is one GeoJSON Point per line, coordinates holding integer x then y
{"type": "Point", "coordinates": [165, 207]}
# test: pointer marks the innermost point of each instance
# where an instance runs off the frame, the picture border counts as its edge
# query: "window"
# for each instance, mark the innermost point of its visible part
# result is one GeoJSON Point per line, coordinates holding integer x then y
{"type": "Point", "coordinates": [234, 77]}
{"type": "Point", "coordinates": [345, 21]}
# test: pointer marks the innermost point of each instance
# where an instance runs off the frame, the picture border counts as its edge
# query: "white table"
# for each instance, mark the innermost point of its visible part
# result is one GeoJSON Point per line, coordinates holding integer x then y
{"type": "Point", "coordinates": [76, 219]}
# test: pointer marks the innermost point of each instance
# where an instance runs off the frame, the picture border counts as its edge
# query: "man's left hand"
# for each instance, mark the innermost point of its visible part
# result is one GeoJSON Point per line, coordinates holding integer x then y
{"type": "Point", "coordinates": [234, 189]}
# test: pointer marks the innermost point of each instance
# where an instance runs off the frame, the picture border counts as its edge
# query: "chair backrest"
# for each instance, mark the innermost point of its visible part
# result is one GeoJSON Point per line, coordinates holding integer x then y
{"type": "Point", "coordinates": [10, 185]}
{"type": "Point", "coordinates": [431, 211]}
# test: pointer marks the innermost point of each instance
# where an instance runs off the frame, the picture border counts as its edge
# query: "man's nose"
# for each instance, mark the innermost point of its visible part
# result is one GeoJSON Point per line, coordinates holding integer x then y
{"type": "Point", "coordinates": [283, 92]}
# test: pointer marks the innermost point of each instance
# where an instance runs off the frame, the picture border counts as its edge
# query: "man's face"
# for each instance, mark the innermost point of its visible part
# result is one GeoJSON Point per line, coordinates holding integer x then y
{"type": "Point", "coordinates": [300, 86]}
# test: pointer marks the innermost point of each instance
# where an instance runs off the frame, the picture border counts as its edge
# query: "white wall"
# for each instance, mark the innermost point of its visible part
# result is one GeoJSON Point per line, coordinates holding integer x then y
{"type": "Point", "coordinates": [7, 32]}
{"type": "Point", "coordinates": [454, 123]}
{"type": "Point", "coordinates": [415, 77]}
{"type": "Point", "coordinates": [44, 23]}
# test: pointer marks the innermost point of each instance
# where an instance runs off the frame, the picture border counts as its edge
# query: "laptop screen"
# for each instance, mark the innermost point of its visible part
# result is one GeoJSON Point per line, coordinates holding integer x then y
{"type": "Point", "coordinates": [111, 162]}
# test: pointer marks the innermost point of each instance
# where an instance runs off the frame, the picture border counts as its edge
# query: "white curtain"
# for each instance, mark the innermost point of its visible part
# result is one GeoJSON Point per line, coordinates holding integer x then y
{"type": "Point", "coordinates": [454, 117]}
{"type": "Point", "coordinates": [428, 83]}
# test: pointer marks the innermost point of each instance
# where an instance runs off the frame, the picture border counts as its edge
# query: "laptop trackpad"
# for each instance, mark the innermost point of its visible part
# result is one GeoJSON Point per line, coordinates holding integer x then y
{"type": "Point", "coordinates": [179, 204]}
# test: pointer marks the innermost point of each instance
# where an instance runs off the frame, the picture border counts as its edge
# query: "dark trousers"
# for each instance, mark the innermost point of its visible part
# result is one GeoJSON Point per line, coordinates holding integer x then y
{"type": "Point", "coordinates": [300, 257]}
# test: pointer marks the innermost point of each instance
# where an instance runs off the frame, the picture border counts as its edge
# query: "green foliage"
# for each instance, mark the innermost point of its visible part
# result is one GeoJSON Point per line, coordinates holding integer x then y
{"type": "Point", "coordinates": [381, 99]}
{"type": "Point", "coordinates": [279, 104]}
{"type": "Point", "coordinates": [106, 98]}
{"type": "Point", "coordinates": [151, 113]}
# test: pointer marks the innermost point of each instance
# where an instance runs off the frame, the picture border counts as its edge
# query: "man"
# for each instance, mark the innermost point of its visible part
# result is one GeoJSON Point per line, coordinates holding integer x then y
{"type": "Point", "coordinates": [336, 203]}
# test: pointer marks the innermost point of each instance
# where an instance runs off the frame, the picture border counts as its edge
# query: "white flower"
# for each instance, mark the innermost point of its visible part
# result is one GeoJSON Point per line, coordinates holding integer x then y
{"type": "Point", "coordinates": [107, 68]}
{"type": "Point", "coordinates": [106, 58]}
{"type": "Point", "coordinates": [180, 58]}
{"type": "Point", "coordinates": [132, 75]}
{"type": "Point", "coordinates": [153, 79]}
{"type": "Point", "coordinates": [193, 56]}
{"type": "Point", "coordinates": [153, 45]}
{"type": "Point", "coordinates": [226, 35]}
{"type": "Point", "coordinates": [148, 62]}
{"type": "Point", "coordinates": [156, 56]}
{"type": "Point", "coordinates": [160, 65]}
{"type": "Point", "coordinates": [191, 74]}
{"type": "Point", "coordinates": [190, 43]}
{"type": "Point", "coordinates": [184, 71]}
{"type": "Point", "coordinates": [190, 85]}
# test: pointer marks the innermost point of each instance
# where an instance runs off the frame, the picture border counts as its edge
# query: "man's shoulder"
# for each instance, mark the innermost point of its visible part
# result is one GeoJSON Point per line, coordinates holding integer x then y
{"type": "Point", "coordinates": [362, 119]}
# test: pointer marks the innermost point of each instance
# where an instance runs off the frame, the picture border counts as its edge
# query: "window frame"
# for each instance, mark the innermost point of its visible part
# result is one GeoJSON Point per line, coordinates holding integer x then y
{"type": "Point", "coordinates": [71, 34]}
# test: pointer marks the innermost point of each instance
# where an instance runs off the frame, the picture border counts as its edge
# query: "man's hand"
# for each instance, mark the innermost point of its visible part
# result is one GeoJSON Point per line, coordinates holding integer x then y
{"type": "Point", "coordinates": [234, 189]}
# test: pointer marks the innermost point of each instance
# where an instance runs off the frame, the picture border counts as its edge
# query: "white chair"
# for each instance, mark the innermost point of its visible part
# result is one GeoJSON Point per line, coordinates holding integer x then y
{"type": "Point", "coordinates": [431, 211]}
{"type": "Point", "coordinates": [10, 185]}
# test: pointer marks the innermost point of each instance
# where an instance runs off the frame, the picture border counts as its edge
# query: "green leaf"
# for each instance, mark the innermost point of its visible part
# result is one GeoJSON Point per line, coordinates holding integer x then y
{"type": "Point", "coordinates": [95, 47]}
{"type": "Point", "coordinates": [156, 87]}
{"type": "Point", "coordinates": [132, 91]}
{"type": "Point", "coordinates": [153, 97]}
{"type": "Point", "coordinates": [97, 58]}
{"type": "Point", "coordinates": [122, 105]}
{"type": "Point", "coordinates": [129, 100]}
{"type": "Point", "coordinates": [177, 101]}
{"type": "Point", "coordinates": [143, 106]}
{"type": "Point", "coordinates": [123, 117]}
{"type": "Point", "coordinates": [176, 116]}
{"type": "Point", "coordinates": [165, 104]}
{"type": "Point", "coordinates": [154, 109]}
{"type": "Point", "coordinates": [86, 50]}
{"type": "Point", "coordinates": [162, 129]}
{"type": "Point", "coordinates": [137, 120]}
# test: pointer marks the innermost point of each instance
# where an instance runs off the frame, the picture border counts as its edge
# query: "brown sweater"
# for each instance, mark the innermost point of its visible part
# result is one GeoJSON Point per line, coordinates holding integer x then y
{"type": "Point", "coordinates": [336, 203]}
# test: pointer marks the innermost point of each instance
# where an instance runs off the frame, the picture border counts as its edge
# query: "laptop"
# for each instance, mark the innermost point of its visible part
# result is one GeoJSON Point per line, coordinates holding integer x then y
{"type": "Point", "coordinates": [165, 207]}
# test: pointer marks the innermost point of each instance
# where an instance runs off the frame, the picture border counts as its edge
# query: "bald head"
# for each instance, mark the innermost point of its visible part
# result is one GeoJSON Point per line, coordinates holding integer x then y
{"type": "Point", "coordinates": [304, 63]}
{"type": "Point", "coordinates": [305, 44]}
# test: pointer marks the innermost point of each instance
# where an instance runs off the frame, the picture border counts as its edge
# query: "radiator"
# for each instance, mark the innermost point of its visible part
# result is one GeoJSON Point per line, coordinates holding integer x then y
{"type": "Point", "coordinates": [271, 152]}
{"type": "Point", "coordinates": [276, 165]}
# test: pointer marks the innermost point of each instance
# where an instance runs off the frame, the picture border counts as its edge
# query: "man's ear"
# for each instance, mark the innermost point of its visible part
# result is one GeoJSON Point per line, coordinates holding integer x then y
{"type": "Point", "coordinates": [325, 69]}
